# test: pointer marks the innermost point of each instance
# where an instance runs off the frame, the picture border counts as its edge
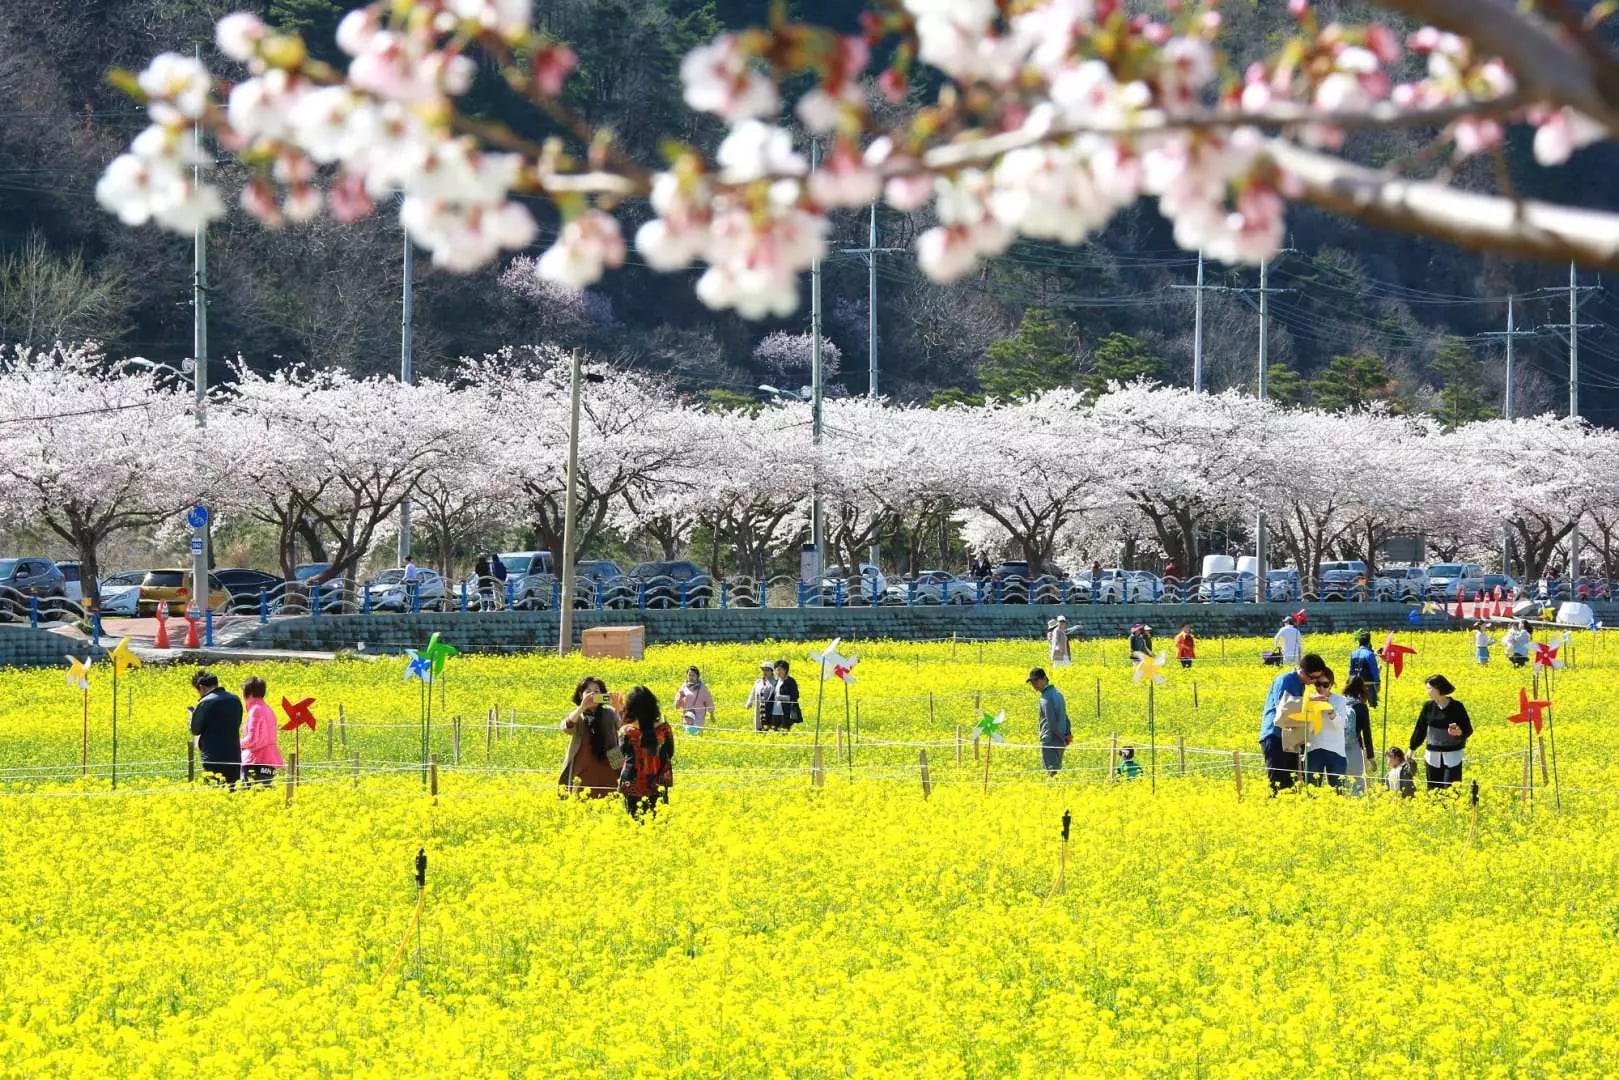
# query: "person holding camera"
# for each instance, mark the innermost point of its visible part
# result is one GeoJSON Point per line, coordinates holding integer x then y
{"type": "Point", "coordinates": [593, 759]}
{"type": "Point", "coordinates": [1445, 727]}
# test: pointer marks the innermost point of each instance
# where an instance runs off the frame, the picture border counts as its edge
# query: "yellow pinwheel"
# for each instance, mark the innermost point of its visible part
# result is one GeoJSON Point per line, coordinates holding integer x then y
{"type": "Point", "coordinates": [78, 673]}
{"type": "Point", "coordinates": [1151, 667]}
{"type": "Point", "coordinates": [1315, 712]}
{"type": "Point", "coordinates": [123, 657]}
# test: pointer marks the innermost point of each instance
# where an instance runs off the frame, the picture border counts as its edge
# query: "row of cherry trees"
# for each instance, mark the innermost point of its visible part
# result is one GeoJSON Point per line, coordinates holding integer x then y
{"type": "Point", "coordinates": [91, 449]}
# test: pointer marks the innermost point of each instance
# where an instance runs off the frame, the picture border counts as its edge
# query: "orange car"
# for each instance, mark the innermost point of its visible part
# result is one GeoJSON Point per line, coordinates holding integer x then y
{"type": "Point", "coordinates": [172, 588]}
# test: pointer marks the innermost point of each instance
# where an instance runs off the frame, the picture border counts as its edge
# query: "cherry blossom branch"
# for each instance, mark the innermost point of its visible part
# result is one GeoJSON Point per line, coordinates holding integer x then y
{"type": "Point", "coordinates": [1525, 228]}
{"type": "Point", "coordinates": [1543, 63]}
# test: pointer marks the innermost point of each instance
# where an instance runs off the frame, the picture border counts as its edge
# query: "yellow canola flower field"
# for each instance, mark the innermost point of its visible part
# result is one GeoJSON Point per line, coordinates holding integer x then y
{"type": "Point", "coordinates": [762, 927]}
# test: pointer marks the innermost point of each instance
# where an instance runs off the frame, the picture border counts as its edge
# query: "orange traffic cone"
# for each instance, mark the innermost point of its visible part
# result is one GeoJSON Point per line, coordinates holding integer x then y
{"type": "Point", "coordinates": [1459, 614]}
{"type": "Point", "coordinates": [161, 641]}
{"type": "Point", "coordinates": [193, 638]}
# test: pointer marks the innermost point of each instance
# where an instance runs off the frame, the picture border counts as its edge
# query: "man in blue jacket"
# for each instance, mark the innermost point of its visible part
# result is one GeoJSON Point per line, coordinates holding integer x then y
{"type": "Point", "coordinates": [216, 725]}
{"type": "Point", "coordinates": [1282, 765]}
{"type": "Point", "coordinates": [1363, 666]}
{"type": "Point", "coordinates": [1055, 731]}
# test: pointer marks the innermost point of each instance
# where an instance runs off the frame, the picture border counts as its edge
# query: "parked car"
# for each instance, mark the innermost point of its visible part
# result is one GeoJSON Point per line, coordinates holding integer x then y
{"type": "Point", "coordinates": [596, 570]}
{"type": "Point", "coordinates": [1281, 586]}
{"type": "Point", "coordinates": [171, 590]}
{"type": "Point", "coordinates": [1225, 587]}
{"type": "Point", "coordinates": [870, 589]}
{"type": "Point", "coordinates": [1341, 581]}
{"type": "Point", "coordinates": [1117, 586]}
{"type": "Point", "coordinates": [1445, 580]}
{"type": "Point", "coordinates": [1399, 583]}
{"type": "Point", "coordinates": [932, 587]}
{"type": "Point", "coordinates": [389, 592]}
{"type": "Point", "coordinates": [245, 585]}
{"type": "Point", "coordinates": [671, 584]}
{"type": "Point", "coordinates": [530, 579]}
{"type": "Point", "coordinates": [22, 581]}
{"type": "Point", "coordinates": [1505, 582]}
{"type": "Point", "coordinates": [1557, 589]}
{"type": "Point", "coordinates": [295, 593]}
{"type": "Point", "coordinates": [72, 586]}
{"type": "Point", "coordinates": [121, 592]}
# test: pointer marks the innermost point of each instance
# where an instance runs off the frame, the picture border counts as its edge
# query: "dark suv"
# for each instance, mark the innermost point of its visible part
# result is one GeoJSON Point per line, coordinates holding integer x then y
{"type": "Point", "coordinates": [672, 584]}
{"type": "Point", "coordinates": [22, 579]}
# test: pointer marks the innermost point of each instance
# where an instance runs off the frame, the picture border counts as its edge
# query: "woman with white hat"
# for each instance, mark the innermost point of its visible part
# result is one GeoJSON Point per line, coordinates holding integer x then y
{"type": "Point", "coordinates": [1057, 640]}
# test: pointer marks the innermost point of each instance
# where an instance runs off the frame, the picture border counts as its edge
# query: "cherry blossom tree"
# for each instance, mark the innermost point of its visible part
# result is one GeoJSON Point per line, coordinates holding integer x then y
{"type": "Point", "coordinates": [324, 451]}
{"type": "Point", "coordinates": [791, 355]}
{"type": "Point", "coordinates": [91, 450]}
{"type": "Point", "coordinates": [1050, 118]}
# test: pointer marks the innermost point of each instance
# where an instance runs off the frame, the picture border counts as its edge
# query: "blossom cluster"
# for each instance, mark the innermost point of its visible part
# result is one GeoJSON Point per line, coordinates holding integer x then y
{"type": "Point", "coordinates": [1056, 115]}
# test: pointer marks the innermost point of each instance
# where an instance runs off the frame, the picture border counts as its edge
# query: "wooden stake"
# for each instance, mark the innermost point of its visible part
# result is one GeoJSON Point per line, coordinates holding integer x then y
{"type": "Point", "coordinates": [1194, 695]}
{"type": "Point", "coordinates": [1180, 749]}
{"type": "Point", "coordinates": [455, 741]}
{"type": "Point", "coordinates": [958, 744]}
{"type": "Point", "coordinates": [356, 768]}
{"type": "Point", "coordinates": [1098, 698]}
{"type": "Point", "coordinates": [84, 742]}
{"type": "Point", "coordinates": [1113, 759]}
{"type": "Point", "coordinates": [1545, 774]}
{"type": "Point", "coordinates": [818, 770]}
{"type": "Point", "coordinates": [1236, 770]}
{"type": "Point", "coordinates": [342, 727]}
{"type": "Point", "coordinates": [927, 783]}
{"type": "Point", "coordinates": [329, 738]}
{"type": "Point", "coordinates": [191, 762]}
{"type": "Point", "coordinates": [988, 749]}
{"type": "Point", "coordinates": [291, 778]}
{"type": "Point", "coordinates": [952, 645]}
{"type": "Point", "coordinates": [1528, 777]}
{"type": "Point", "coordinates": [932, 719]}
{"type": "Point", "coordinates": [978, 703]}
{"type": "Point", "coordinates": [489, 733]}
{"type": "Point", "coordinates": [432, 775]}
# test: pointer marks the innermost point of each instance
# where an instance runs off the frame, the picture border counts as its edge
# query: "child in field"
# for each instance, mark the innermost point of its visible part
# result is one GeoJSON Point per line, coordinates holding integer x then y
{"type": "Point", "coordinates": [1400, 778]}
{"type": "Point", "coordinates": [1128, 768]}
{"type": "Point", "coordinates": [1481, 644]}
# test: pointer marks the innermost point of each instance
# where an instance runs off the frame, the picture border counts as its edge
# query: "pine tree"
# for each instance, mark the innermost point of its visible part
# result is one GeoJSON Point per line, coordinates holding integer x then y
{"type": "Point", "coordinates": [1351, 382]}
{"type": "Point", "coordinates": [1461, 374]}
{"type": "Point", "coordinates": [1039, 357]}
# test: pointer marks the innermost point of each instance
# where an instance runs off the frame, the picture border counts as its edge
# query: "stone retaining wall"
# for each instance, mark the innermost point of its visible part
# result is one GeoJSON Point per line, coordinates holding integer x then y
{"type": "Point", "coordinates": [502, 631]}
{"type": "Point", "coordinates": [22, 646]}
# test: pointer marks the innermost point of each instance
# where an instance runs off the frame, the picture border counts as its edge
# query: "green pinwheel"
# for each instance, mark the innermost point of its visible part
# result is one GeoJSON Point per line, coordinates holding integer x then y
{"type": "Point", "coordinates": [437, 652]}
{"type": "Point", "coordinates": [989, 727]}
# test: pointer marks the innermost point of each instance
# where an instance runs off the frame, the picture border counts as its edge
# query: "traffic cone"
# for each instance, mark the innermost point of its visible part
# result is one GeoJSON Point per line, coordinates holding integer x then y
{"type": "Point", "coordinates": [161, 641]}
{"type": "Point", "coordinates": [1459, 614]}
{"type": "Point", "coordinates": [193, 638]}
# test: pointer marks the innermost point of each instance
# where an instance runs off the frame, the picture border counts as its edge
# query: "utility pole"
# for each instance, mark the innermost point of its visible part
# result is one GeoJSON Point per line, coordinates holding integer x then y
{"type": "Point", "coordinates": [1509, 406]}
{"type": "Point", "coordinates": [407, 375]}
{"type": "Point", "coordinates": [870, 252]}
{"type": "Point", "coordinates": [1261, 588]}
{"type": "Point", "coordinates": [569, 511]}
{"type": "Point", "coordinates": [1197, 323]}
{"type": "Point", "coordinates": [1574, 291]}
{"type": "Point", "coordinates": [816, 522]}
{"type": "Point", "coordinates": [199, 371]}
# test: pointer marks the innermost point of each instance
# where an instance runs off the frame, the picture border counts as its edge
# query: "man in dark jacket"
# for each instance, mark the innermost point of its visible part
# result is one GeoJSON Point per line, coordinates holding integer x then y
{"type": "Point", "coordinates": [216, 724]}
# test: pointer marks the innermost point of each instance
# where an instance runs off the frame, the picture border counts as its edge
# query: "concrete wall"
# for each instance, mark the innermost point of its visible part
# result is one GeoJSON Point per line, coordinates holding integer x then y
{"type": "Point", "coordinates": [21, 646]}
{"type": "Point", "coordinates": [499, 631]}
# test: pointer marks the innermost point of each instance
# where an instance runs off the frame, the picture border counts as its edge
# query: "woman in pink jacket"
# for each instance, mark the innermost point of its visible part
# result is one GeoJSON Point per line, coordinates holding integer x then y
{"type": "Point", "coordinates": [261, 757]}
{"type": "Point", "coordinates": [694, 701]}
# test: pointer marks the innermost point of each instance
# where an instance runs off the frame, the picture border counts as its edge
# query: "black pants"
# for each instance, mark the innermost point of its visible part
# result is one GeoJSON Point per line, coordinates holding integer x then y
{"type": "Point", "coordinates": [643, 804]}
{"type": "Point", "coordinates": [221, 772]}
{"type": "Point", "coordinates": [1281, 766]}
{"type": "Point", "coordinates": [1442, 776]}
{"type": "Point", "coordinates": [259, 775]}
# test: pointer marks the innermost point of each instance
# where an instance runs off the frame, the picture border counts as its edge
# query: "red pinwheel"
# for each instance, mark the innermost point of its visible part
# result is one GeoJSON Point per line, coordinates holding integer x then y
{"type": "Point", "coordinates": [1394, 655]}
{"type": "Point", "coordinates": [1546, 656]}
{"type": "Point", "coordinates": [1529, 710]}
{"type": "Point", "coordinates": [1300, 617]}
{"type": "Point", "coordinates": [298, 715]}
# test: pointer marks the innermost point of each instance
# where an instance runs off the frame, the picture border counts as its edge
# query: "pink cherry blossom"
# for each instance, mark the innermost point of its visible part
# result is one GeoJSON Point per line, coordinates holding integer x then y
{"type": "Point", "coordinates": [177, 87]}
{"type": "Point", "coordinates": [719, 79]}
{"type": "Point", "coordinates": [586, 247]}
{"type": "Point", "coordinates": [238, 35]}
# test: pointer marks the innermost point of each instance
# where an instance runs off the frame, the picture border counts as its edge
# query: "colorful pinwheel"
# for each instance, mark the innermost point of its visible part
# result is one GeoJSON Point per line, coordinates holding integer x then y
{"type": "Point", "coordinates": [1546, 656]}
{"type": "Point", "coordinates": [123, 657]}
{"type": "Point", "coordinates": [78, 672]}
{"type": "Point", "coordinates": [1394, 654]}
{"type": "Point", "coordinates": [437, 652]}
{"type": "Point", "coordinates": [989, 727]}
{"type": "Point", "coordinates": [298, 714]}
{"type": "Point", "coordinates": [1530, 711]}
{"type": "Point", "coordinates": [1151, 667]}
{"type": "Point", "coordinates": [833, 664]}
{"type": "Point", "coordinates": [418, 666]}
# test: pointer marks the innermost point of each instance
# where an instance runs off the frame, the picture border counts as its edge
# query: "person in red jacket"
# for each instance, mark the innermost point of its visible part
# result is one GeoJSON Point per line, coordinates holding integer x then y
{"type": "Point", "coordinates": [1185, 646]}
{"type": "Point", "coordinates": [648, 746]}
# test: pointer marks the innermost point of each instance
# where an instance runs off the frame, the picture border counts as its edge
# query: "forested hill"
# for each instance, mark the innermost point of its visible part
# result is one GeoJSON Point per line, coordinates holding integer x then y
{"type": "Point", "coordinates": [1358, 316]}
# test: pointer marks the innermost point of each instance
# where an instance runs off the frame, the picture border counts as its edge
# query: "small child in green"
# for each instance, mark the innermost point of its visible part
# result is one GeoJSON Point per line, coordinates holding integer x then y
{"type": "Point", "coordinates": [1129, 768]}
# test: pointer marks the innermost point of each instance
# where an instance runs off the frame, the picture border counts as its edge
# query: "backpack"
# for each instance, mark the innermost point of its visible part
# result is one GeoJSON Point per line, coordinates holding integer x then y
{"type": "Point", "coordinates": [1358, 668]}
{"type": "Point", "coordinates": [647, 770]}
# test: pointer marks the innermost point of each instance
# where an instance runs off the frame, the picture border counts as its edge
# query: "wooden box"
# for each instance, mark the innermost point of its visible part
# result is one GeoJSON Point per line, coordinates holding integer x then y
{"type": "Point", "coordinates": [620, 642]}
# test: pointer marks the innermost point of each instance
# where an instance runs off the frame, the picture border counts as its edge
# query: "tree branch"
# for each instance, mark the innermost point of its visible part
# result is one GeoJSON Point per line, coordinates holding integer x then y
{"type": "Point", "coordinates": [1524, 228]}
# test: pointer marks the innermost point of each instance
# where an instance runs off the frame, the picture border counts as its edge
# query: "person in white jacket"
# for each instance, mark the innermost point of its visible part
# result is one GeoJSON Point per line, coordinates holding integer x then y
{"type": "Point", "coordinates": [1290, 643]}
{"type": "Point", "coordinates": [1517, 643]}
